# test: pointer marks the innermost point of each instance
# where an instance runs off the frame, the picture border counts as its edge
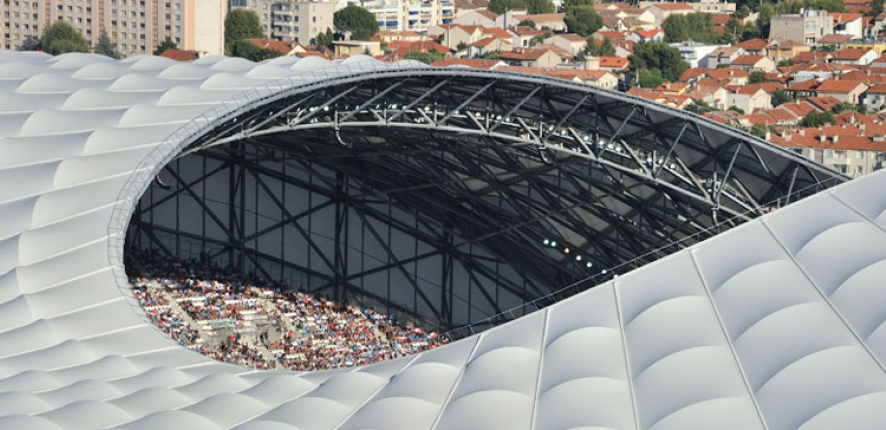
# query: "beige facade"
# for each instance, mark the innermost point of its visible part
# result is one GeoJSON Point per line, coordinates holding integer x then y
{"type": "Point", "coordinates": [807, 27]}
{"type": "Point", "coordinates": [298, 21]}
{"type": "Point", "coordinates": [134, 26]}
{"type": "Point", "coordinates": [749, 101]}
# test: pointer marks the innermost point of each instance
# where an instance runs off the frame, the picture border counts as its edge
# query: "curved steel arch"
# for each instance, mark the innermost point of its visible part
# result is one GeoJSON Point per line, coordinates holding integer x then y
{"type": "Point", "coordinates": [502, 161]}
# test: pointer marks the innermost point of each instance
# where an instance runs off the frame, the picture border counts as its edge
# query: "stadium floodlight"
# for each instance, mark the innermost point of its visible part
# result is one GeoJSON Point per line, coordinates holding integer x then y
{"type": "Point", "coordinates": [547, 242]}
{"type": "Point", "coordinates": [578, 258]}
{"type": "Point", "coordinates": [603, 272]}
{"type": "Point", "coordinates": [589, 264]}
{"type": "Point", "coordinates": [553, 244]}
{"type": "Point", "coordinates": [566, 250]}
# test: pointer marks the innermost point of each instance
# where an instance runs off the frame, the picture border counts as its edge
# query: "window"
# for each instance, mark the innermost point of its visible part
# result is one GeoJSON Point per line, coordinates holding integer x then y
{"type": "Point", "coordinates": [859, 154]}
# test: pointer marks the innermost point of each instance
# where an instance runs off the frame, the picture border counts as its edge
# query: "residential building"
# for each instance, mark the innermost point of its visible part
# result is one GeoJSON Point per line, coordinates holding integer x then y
{"type": "Point", "coordinates": [534, 57]}
{"type": "Point", "coordinates": [806, 27]}
{"type": "Point", "coordinates": [483, 17]}
{"type": "Point", "coordinates": [574, 43]}
{"type": "Point", "coordinates": [849, 24]}
{"type": "Point", "coordinates": [749, 98]}
{"type": "Point", "coordinates": [877, 46]}
{"type": "Point", "coordinates": [544, 21]}
{"type": "Point", "coordinates": [349, 48]}
{"type": "Point", "coordinates": [662, 11]}
{"type": "Point", "coordinates": [410, 15]}
{"type": "Point", "coordinates": [852, 56]}
{"type": "Point", "coordinates": [693, 53]}
{"type": "Point", "coordinates": [300, 21]}
{"type": "Point", "coordinates": [786, 49]}
{"type": "Point", "coordinates": [644, 36]}
{"type": "Point", "coordinates": [721, 57]}
{"type": "Point", "coordinates": [835, 40]}
{"type": "Point", "coordinates": [754, 63]}
{"type": "Point", "coordinates": [874, 98]}
{"type": "Point", "coordinates": [616, 65]}
{"type": "Point", "coordinates": [133, 26]}
{"type": "Point", "coordinates": [845, 91]}
{"type": "Point", "coordinates": [489, 45]}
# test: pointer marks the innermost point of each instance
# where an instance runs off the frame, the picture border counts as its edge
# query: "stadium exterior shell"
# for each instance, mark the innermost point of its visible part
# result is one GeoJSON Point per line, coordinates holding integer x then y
{"type": "Point", "coordinates": [777, 323]}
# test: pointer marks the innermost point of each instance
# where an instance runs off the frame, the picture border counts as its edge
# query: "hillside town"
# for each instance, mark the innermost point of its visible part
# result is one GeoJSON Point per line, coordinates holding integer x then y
{"type": "Point", "coordinates": [809, 76]}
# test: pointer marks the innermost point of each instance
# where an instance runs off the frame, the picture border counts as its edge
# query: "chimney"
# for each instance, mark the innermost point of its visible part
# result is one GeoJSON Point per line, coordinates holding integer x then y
{"type": "Point", "coordinates": [879, 138]}
{"type": "Point", "coordinates": [835, 139]}
{"type": "Point", "coordinates": [803, 132]}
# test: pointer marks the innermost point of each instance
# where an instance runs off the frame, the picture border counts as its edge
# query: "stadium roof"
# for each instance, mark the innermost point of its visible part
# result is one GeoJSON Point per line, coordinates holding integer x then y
{"type": "Point", "coordinates": [775, 324]}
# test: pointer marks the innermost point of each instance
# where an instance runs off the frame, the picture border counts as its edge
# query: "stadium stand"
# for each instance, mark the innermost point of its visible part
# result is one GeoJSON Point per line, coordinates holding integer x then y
{"type": "Point", "coordinates": [235, 321]}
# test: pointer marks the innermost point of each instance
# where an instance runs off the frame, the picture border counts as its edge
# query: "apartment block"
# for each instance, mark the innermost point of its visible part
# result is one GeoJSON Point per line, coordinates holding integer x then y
{"type": "Point", "coordinates": [807, 27]}
{"type": "Point", "coordinates": [299, 21]}
{"type": "Point", "coordinates": [135, 26]}
{"type": "Point", "coordinates": [410, 15]}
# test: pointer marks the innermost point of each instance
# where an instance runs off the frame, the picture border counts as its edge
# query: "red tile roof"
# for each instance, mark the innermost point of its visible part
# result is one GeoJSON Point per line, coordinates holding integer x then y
{"type": "Point", "coordinates": [747, 60]}
{"type": "Point", "coordinates": [274, 45]}
{"type": "Point", "coordinates": [180, 55]}
{"type": "Point", "coordinates": [672, 6]}
{"type": "Point", "coordinates": [841, 18]}
{"type": "Point", "coordinates": [613, 62]}
{"type": "Point", "coordinates": [648, 34]}
{"type": "Point", "coordinates": [838, 86]}
{"type": "Point", "coordinates": [877, 89]}
{"type": "Point", "coordinates": [834, 39]}
{"type": "Point", "coordinates": [851, 54]}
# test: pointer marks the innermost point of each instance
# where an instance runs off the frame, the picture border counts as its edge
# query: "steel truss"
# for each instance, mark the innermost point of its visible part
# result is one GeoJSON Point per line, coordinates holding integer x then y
{"type": "Point", "coordinates": [487, 167]}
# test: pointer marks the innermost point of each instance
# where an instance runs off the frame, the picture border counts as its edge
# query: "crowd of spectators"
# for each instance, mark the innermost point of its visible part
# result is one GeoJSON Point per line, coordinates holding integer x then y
{"type": "Point", "coordinates": [266, 326]}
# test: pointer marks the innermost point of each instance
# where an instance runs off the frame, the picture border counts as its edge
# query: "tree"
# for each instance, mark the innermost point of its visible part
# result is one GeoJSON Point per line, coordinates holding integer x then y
{"type": "Point", "coordinates": [165, 45]}
{"type": "Point", "coordinates": [786, 63]}
{"type": "Point", "coordinates": [765, 17]}
{"type": "Point", "coordinates": [759, 130]}
{"type": "Point", "coordinates": [605, 49]}
{"type": "Point", "coordinates": [699, 107]}
{"type": "Point", "coordinates": [583, 20]}
{"type": "Point", "coordinates": [424, 57]}
{"type": "Point", "coordinates": [325, 38]}
{"type": "Point", "coordinates": [816, 119]}
{"type": "Point", "coordinates": [676, 28]}
{"type": "Point", "coordinates": [736, 109]}
{"type": "Point", "coordinates": [877, 9]}
{"type": "Point", "coordinates": [250, 51]}
{"type": "Point", "coordinates": [60, 37]}
{"type": "Point", "coordinates": [849, 107]}
{"type": "Point", "coordinates": [757, 77]}
{"type": "Point", "coordinates": [502, 6]}
{"type": "Point", "coordinates": [461, 46]}
{"type": "Point", "coordinates": [106, 48]}
{"type": "Point", "coordinates": [242, 24]}
{"type": "Point", "coordinates": [539, 6]}
{"type": "Point", "coordinates": [660, 59]}
{"type": "Point", "coordinates": [358, 21]}
{"type": "Point", "coordinates": [527, 23]}
{"type": "Point", "coordinates": [567, 4]}
{"type": "Point", "coordinates": [31, 43]}
{"type": "Point", "coordinates": [649, 79]}
{"type": "Point", "coordinates": [781, 97]}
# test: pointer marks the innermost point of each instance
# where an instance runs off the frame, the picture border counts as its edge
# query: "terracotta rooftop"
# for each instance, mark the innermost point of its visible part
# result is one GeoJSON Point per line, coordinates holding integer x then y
{"type": "Point", "coordinates": [180, 55]}
{"type": "Point", "coordinates": [671, 6]}
{"type": "Point", "coordinates": [851, 54]}
{"type": "Point", "coordinates": [613, 62]}
{"type": "Point", "coordinates": [838, 86]}
{"type": "Point", "coordinates": [747, 60]}
{"type": "Point", "coordinates": [834, 39]}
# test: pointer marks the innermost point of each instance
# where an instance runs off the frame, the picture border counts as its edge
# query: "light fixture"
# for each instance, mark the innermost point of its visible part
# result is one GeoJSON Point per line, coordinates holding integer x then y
{"type": "Point", "coordinates": [547, 242]}
{"type": "Point", "coordinates": [566, 250]}
{"type": "Point", "coordinates": [604, 271]}
{"type": "Point", "coordinates": [589, 265]}
{"type": "Point", "coordinates": [553, 244]}
{"type": "Point", "coordinates": [578, 258]}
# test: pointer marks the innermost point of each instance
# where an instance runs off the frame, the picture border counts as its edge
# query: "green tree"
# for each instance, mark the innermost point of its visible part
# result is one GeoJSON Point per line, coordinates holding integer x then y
{"type": "Point", "coordinates": [765, 17]}
{"type": "Point", "coordinates": [325, 38]}
{"type": "Point", "coordinates": [359, 22]}
{"type": "Point", "coordinates": [242, 24]}
{"type": "Point", "coordinates": [31, 43]}
{"type": "Point", "coordinates": [606, 48]}
{"type": "Point", "coordinates": [527, 23]}
{"type": "Point", "coordinates": [828, 5]}
{"type": "Point", "coordinates": [877, 9]}
{"type": "Point", "coordinates": [106, 48]}
{"type": "Point", "coordinates": [583, 20]}
{"type": "Point", "coordinates": [539, 6]}
{"type": "Point", "coordinates": [424, 57]}
{"type": "Point", "coordinates": [849, 107]}
{"type": "Point", "coordinates": [676, 28]}
{"type": "Point", "coordinates": [699, 107]}
{"type": "Point", "coordinates": [250, 51]}
{"type": "Point", "coordinates": [786, 63]}
{"type": "Point", "coordinates": [816, 119]}
{"type": "Point", "coordinates": [649, 79]}
{"type": "Point", "coordinates": [781, 97]}
{"type": "Point", "coordinates": [165, 45]}
{"type": "Point", "coordinates": [502, 6]}
{"type": "Point", "coordinates": [658, 58]}
{"type": "Point", "coordinates": [759, 130]}
{"type": "Point", "coordinates": [757, 77]}
{"type": "Point", "coordinates": [573, 3]}
{"type": "Point", "coordinates": [698, 27]}
{"type": "Point", "coordinates": [461, 46]}
{"type": "Point", "coordinates": [736, 109]}
{"type": "Point", "coordinates": [60, 37]}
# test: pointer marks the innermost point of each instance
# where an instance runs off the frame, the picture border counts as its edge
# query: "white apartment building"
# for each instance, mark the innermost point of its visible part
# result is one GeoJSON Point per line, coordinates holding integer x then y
{"type": "Point", "coordinates": [410, 15]}
{"type": "Point", "coordinates": [298, 21]}
{"type": "Point", "coordinates": [135, 26]}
